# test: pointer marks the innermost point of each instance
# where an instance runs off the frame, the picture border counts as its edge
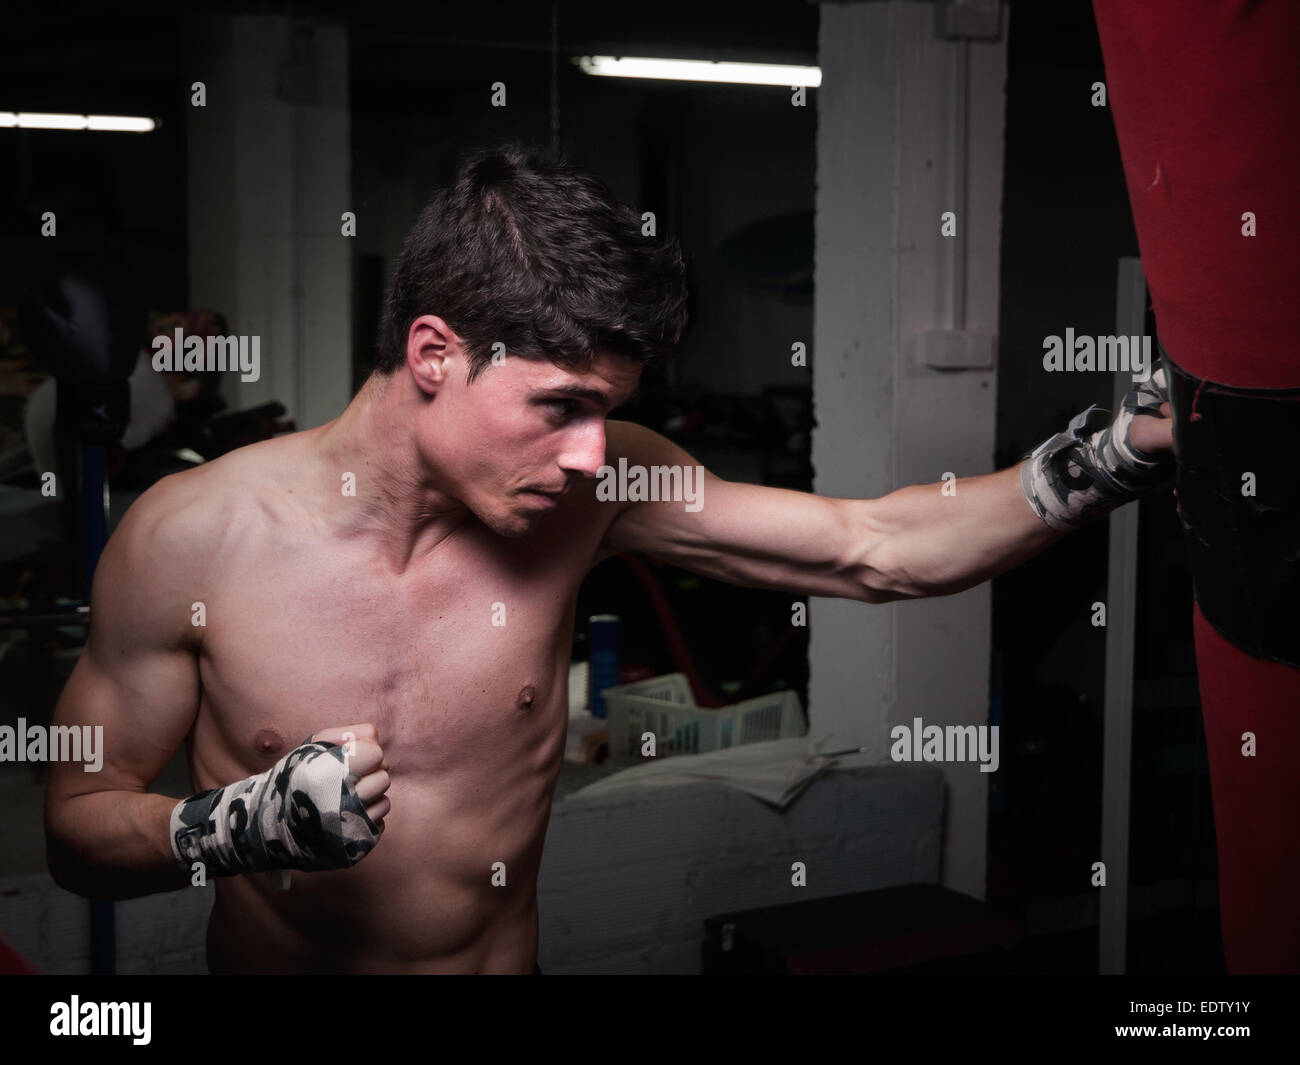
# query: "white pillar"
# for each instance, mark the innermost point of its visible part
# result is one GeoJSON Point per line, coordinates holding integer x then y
{"type": "Point", "coordinates": [269, 179]}
{"type": "Point", "coordinates": [904, 384]}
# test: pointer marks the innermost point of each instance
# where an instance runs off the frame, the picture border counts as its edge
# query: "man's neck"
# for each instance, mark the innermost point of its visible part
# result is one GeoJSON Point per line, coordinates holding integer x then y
{"type": "Point", "coordinates": [398, 504]}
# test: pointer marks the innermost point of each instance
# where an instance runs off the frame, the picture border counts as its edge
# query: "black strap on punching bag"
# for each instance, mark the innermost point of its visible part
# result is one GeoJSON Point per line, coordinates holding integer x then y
{"type": "Point", "coordinates": [1239, 504]}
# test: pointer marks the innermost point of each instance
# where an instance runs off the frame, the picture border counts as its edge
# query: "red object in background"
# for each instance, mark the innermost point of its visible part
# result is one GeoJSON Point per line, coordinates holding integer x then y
{"type": "Point", "coordinates": [672, 634]}
{"type": "Point", "coordinates": [1206, 101]}
{"type": "Point", "coordinates": [12, 963]}
{"type": "Point", "coordinates": [1256, 800]}
{"type": "Point", "coordinates": [630, 674]}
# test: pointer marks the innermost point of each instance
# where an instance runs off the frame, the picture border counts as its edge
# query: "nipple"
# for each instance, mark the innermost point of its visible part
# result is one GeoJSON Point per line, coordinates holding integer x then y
{"type": "Point", "coordinates": [268, 741]}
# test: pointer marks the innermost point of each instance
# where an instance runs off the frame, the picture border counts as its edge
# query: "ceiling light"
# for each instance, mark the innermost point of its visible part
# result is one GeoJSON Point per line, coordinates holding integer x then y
{"type": "Point", "coordinates": [98, 123]}
{"type": "Point", "coordinates": [699, 70]}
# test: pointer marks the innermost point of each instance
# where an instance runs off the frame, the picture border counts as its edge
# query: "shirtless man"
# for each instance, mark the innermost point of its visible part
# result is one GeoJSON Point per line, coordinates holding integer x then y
{"type": "Point", "coordinates": [372, 619]}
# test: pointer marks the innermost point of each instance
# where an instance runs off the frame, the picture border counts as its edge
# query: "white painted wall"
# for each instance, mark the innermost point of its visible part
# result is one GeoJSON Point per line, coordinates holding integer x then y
{"type": "Point", "coordinates": [890, 161]}
{"type": "Point", "coordinates": [268, 182]}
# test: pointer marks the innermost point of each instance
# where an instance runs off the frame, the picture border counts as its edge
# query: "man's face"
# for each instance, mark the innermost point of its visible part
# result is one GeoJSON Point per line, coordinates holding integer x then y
{"type": "Point", "coordinates": [521, 429]}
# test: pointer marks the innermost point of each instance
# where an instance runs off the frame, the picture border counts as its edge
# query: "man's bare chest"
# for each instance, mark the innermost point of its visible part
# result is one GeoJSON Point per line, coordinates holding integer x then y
{"type": "Point", "coordinates": [458, 665]}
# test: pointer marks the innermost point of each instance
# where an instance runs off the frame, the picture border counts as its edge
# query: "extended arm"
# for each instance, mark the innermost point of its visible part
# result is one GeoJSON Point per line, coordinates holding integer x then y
{"type": "Point", "coordinates": [917, 541]}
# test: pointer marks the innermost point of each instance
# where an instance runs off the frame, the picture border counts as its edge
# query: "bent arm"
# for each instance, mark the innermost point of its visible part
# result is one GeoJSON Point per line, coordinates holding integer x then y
{"type": "Point", "coordinates": [914, 542]}
{"type": "Point", "coordinates": [106, 835]}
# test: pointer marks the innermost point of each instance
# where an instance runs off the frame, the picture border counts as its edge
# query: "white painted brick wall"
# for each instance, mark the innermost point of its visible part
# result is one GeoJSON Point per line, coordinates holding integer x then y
{"type": "Point", "coordinates": [627, 880]}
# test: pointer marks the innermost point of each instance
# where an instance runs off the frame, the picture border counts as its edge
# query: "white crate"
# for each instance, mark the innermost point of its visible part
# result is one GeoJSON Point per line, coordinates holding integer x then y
{"type": "Point", "coordinates": [664, 706]}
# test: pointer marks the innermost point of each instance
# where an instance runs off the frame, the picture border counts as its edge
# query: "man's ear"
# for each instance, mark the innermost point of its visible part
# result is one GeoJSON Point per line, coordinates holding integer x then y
{"type": "Point", "coordinates": [430, 345]}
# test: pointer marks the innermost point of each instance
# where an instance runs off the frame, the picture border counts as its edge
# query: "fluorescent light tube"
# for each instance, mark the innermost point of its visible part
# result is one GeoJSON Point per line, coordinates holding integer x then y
{"type": "Point", "coordinates": [99, 123]}
{"type": "Point", "coordinates": [699, 70]}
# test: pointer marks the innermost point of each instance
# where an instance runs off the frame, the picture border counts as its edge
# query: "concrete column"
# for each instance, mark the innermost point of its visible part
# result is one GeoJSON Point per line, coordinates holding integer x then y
{"type": "Point", "coordinates": [269, 179]}
{"type": "Point", "coordinates": [904, 387]}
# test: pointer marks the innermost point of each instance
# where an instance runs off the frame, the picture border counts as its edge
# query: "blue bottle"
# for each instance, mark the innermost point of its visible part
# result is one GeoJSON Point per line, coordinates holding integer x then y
{"type": "Point", "coordinates": [603, 668]}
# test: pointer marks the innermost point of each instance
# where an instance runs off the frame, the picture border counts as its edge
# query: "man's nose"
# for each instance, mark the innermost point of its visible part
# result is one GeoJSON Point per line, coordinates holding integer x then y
{"type": "Point", "coordinates": [584, 451]}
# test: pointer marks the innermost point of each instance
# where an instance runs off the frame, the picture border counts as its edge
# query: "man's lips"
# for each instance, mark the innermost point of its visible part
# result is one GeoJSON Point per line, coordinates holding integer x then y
{"type": "Point", "coordinates": [552, 498]}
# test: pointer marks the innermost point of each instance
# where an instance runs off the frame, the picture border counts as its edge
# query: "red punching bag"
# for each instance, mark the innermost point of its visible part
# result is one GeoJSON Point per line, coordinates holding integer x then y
{"type": "Point", "coordinates": [1205, 96]}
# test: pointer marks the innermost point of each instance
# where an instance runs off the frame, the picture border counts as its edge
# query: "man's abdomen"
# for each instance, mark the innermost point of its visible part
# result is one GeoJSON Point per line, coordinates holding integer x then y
{"type": "Point", "coordinates": [439, 893]}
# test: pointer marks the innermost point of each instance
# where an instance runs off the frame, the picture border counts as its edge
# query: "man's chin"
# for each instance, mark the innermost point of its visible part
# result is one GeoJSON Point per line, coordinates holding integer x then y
{"type": "Point", "coordinates": [511, 524]}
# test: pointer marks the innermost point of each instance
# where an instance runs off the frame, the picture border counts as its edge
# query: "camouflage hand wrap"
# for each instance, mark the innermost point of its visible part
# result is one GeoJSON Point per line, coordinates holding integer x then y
{"type": "Point", "coordinates": [302, 813]}
{"type": "Point", "coordinates": [1072, 476]}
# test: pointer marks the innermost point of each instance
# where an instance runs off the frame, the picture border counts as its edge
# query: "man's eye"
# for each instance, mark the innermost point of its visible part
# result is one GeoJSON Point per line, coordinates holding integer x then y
{"type": "Point", "coordinates": [565, 408]}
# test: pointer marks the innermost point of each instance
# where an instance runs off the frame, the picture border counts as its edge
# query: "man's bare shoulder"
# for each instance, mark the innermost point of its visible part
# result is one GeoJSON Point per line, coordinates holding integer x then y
{"type": "Point", "coordinates": [190, 516]}
{"type": "Point", "coordinates": [623, 439]}
{"type": "Point", "coordinates": [636, 443]}
{"type": "Point", "coordinates": [639, 446]}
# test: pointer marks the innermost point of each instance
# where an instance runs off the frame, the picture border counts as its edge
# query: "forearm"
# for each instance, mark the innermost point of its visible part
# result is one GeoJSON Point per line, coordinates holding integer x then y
{"type": "Point", "coordinates": [920, 541]}
{"type": "Point", "coordinates": [114, 845]}
{"type": "Point", "coordinates": [305, 813]}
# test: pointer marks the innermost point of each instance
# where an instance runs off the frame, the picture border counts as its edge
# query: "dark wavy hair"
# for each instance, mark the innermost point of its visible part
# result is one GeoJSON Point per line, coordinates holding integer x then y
{"type": "Point", "coordinates": [527, 250]}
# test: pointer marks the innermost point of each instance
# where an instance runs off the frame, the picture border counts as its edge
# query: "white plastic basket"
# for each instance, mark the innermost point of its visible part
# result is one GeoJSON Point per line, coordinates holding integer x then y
{"type": "Point", "coordinates": [664, 706]}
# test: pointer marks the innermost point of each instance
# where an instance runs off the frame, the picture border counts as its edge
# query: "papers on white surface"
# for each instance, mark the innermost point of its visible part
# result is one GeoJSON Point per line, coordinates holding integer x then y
{"type": "Point", "coordinates": [776, 771]}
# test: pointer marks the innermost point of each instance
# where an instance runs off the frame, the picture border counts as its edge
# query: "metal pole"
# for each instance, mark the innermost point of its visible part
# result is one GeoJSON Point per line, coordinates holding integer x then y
{"type": "Point", "coordinates": [94, 516]}
{"type": "Point", "coordinates": [1121, 607]}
